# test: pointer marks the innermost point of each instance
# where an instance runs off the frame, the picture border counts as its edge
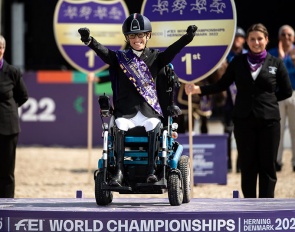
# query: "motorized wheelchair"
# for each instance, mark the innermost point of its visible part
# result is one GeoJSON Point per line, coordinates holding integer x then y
{"type": "Point", "coordinates": [172, 168]}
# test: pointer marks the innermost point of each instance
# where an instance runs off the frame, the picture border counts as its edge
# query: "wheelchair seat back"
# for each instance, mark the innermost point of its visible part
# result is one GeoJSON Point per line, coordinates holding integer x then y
{"type": "Point", "coordinates": [136, 137]}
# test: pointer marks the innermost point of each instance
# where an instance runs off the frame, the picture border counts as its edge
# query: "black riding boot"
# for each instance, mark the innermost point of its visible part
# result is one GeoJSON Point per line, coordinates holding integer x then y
{"type": "Point", "coordinates": [152, 149]}
{"type": "Point", "coordinates": [119, 152]}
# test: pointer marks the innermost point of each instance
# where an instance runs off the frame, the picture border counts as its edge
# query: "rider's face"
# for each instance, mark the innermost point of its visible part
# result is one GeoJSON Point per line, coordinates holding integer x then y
{"type": "Point", "coordinates": [138, 43]}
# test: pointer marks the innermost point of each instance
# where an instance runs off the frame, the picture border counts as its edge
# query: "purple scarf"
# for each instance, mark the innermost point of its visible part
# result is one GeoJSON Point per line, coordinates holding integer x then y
{"type": "Point", "coordinates": [256, 60]}
{"type": "Point", "coordinates": [140, 76]}
{"type": "Point", "coordinates": [233, 92]}
{"type": "Point", "coordinates": [1, 63]}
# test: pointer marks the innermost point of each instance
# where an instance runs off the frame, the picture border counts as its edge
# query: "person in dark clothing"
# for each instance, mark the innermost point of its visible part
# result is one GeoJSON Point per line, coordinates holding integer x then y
{"type": "Point", "coordinates": [236, 49]}
{"type": "Point", "coordinates": [261, 80]}
{"type": "Point", "coordinates": [13, 94]}
{"type": "Point", "coordinates": [286, 51]}
{"type": "Point", "coordinates": [133, 72]}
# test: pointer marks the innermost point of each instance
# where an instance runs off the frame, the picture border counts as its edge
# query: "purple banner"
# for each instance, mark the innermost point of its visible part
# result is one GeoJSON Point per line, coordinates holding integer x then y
{"type": "Point", "coordinates": [104, 19]}
{"type": "Point", "coordinates": [90, 12]}
{"type": "Point", "coordinates": [77, 56]}
{"type": "Point", "coordinates": [161, 222]}
{"type": "Point", "coordinates": [210, 56]}
{"type": "Point", "coordinates": [209, 157]}
{"type": "Point", "coordinates": [216, 22]}
{"type": "Point", "coordinates": [204, 215]}
{"type": "Point", "coordinates": [189, 10]}
{"type": "Point", "coordinates": [56, 114]}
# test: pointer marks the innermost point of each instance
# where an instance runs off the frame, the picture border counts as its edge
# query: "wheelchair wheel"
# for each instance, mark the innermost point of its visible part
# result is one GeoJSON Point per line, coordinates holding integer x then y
{"type": "Point", "coordinates": [184, 167]}
{"type": "Point", "coordinates": [103, 197]}
{"type": "Point", "coordinates": [175, 189]}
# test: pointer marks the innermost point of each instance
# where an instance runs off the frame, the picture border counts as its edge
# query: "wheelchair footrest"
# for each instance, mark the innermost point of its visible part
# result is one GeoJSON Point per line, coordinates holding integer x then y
{"type": "Point", "coordinates": [116, 189]}
{"type": "Point", "coordinates": [160, 184]}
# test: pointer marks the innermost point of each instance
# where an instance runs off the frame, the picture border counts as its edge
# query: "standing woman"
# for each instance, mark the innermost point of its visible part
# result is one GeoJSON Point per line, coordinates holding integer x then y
{"type": "Point", "coordinates": [262, 80]}
{"type": "Point", "coordinates": [13, 94]}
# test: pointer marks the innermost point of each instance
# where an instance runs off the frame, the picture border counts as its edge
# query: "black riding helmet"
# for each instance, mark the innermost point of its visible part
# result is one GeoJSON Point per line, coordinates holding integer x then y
{"type": "Point", "coordinates": [136, 23]}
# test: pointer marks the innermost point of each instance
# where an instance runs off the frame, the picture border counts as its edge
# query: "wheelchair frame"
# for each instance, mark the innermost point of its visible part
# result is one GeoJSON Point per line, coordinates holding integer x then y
{"type": "Point", "coordinates": [172, 168]}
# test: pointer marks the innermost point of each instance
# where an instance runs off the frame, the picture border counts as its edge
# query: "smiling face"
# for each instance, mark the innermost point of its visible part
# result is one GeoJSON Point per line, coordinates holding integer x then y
{"type": "Point", "coordinates": [138, 41]}
{"type": "Point", "coordinates": [257, 41]}
{"type": "Point", "coordinates": [287, 36]}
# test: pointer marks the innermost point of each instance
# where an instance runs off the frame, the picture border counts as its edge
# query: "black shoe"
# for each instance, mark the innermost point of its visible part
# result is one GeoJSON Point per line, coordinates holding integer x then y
{"type": "Point", "coordinates": [151, 178]}
{"type": "Point", "coordinates": [117, 180]}
{"type": "Point", "coordinates": [278, 167]}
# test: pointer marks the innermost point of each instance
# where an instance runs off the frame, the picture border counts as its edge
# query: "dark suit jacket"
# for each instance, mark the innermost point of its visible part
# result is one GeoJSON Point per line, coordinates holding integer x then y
{"type": "Point", "coordinates": [259, 96]}
{"type": "Point", "coordinates": [13, 94]}
{"type": "Point", "coordinates": [127, 100]}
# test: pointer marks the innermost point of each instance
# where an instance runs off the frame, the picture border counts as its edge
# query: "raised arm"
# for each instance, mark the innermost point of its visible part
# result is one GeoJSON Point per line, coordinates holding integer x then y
{"type": "Point", "coordinates": [169, 54]}
{"type": "Point", "coordinates": [107, 55]}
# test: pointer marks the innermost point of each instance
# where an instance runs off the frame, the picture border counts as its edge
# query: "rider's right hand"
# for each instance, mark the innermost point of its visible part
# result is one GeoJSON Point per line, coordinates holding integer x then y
{"type": "Point", "coordinates": [191, 30]}
{"type": "Point", "coordinates": [85, 35]}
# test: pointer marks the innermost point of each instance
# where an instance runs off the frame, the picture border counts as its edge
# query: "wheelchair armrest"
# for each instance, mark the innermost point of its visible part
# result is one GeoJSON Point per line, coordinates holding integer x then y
{"type": "Point", "coordinates": [174, 110]}
{"type": "Point", "coordinates": [105, 106]}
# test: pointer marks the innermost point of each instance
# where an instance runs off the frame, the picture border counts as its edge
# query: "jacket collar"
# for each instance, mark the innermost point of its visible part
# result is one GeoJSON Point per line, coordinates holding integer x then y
{"type": "Point", "coordinates": [5, 66]}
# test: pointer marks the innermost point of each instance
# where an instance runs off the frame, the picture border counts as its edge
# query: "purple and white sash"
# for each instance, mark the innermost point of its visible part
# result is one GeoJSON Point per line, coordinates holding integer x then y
{"type": "Point", "coordinates": [233, 92]}
{"type": "Point", "coordinates": [140, 76]}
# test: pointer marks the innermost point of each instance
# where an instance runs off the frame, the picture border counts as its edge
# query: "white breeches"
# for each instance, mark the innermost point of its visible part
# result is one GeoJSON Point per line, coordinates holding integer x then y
{"type": "Point", "coordinates": [138, 120]}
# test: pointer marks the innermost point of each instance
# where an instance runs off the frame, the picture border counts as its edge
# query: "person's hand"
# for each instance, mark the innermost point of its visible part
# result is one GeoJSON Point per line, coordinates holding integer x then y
{"type": "Point", "coordinates": [92, 78]}
{"type": "Point", "coordinates": [292, 54]}
{"type": "Point", "coordinates": [281, 50]}
{"type": "Point", "coordinates": [191, 30]}
{"type": "Point", "coordinates": [192, 89]}
{"type": "Point", "coordinates": [85, 35]}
